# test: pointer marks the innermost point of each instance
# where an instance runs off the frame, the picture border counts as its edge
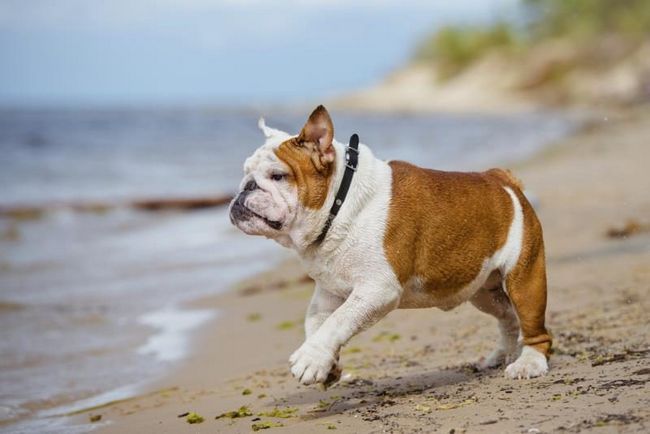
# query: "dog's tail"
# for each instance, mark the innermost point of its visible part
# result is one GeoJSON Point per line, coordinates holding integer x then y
{"type": "Point", "coordinates": [506, 176]}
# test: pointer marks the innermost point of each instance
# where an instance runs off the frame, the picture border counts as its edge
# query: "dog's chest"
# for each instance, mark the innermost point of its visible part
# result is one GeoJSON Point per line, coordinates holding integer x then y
{"type": "Point", "coordinates": [354, 253]}
{"type": "Point", "coordinates": [334, 277]}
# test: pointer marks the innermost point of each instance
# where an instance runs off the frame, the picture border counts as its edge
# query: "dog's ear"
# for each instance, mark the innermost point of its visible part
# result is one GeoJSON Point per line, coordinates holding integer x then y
{"type": "Point", "coordinates": [319, 131]}
{"type": "Point", "coordinates": [268, 131]}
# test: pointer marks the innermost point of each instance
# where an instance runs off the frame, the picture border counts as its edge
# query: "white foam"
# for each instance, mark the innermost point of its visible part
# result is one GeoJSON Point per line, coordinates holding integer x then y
{"type": "Point", "coordinates": [118, 394]}
{"type": "Point", "coordinates": [170, 342]}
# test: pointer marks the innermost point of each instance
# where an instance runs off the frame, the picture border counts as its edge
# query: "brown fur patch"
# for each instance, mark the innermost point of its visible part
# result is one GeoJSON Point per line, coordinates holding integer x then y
{"type": "Point", "coordinates": [312, 180]}
{"type": "Point", "coordinates": [311, 156]}
{"type": "Point", "coordinates": [507, 177]}
{"type": "Point", "coordinates": [443, 225]}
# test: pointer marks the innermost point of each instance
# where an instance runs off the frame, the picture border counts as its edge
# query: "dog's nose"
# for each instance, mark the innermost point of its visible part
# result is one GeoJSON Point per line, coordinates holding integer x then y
{"type": "Point", "coordinates": [250, 185]}
{"type": "Point", "coordinates": [238, 209]}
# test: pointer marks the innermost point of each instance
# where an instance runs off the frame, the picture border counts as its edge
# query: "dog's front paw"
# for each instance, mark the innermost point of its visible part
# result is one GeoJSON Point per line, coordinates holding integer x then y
{"type": "Point", "coordinates": [530, 364]}
{"type": "Point", "coordinates": [311, 364]}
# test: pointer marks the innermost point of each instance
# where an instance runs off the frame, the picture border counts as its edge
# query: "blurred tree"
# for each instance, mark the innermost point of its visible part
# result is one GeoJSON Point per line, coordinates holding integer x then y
{"type": "Point", "coordinates": [455, 48]}
{"type": "Point", "coordinates": [587, 18]}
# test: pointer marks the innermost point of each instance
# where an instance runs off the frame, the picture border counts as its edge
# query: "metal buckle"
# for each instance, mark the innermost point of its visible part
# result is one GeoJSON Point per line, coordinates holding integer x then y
{"type": "Point", "coordinates": [347, 161]}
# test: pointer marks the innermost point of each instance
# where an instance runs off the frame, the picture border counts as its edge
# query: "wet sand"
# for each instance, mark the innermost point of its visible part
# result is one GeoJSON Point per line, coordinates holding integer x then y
{"type": "Point", "coordinates": [412, 372]}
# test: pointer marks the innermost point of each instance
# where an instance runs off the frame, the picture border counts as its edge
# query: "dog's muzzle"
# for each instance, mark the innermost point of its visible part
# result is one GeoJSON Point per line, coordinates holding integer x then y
{"type": "Point", "coordinates": [240, 212]}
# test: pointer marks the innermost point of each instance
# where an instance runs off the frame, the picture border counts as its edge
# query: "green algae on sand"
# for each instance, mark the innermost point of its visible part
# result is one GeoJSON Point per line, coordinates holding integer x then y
{"type": "Point", "coordinates": [193, 418]}
{"type": "Point", "coordinates": [243, 411]}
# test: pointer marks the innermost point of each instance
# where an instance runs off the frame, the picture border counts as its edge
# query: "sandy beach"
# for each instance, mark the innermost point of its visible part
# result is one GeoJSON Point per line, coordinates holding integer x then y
{"type": "Point", "coordinates": [413, 372]}
{"type": "Point", "coordinates": [130, 303]}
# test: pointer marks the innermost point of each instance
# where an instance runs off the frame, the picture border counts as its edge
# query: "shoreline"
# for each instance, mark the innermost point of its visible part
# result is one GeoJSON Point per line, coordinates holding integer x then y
{"type": "Point", "coordinates": [127, 275]}
{"type": "Point", "coordinates": [248, 346]}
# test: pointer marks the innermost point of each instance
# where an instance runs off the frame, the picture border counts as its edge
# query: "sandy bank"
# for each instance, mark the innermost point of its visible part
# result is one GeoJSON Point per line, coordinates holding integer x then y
{"type": "Point", "coordinates": [605, 74]}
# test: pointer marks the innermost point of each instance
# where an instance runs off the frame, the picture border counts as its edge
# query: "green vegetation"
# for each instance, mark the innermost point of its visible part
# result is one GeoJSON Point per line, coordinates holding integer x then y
{"type": "Point", "coordinates": [385, 336]}
{"type": "Point", "coordinates": [243, 411]}
{"type": "Point", "coordinates": [286, 325]}
{"type": "Point", "coordinates": [351, 350]}
{"type": "Point", "coordinates": [194, 418]}
{"type": "Point", "coordinates": [280, 412]}
{"type": "Point", "coordinates": [589, 18]}
{"type": "Point", "coordinates": [265, 425]}
{"type": "Point", "coordinates": [454, 48]}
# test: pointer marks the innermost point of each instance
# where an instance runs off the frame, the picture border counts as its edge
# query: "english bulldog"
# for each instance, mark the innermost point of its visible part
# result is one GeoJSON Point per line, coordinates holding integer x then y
{"type": "Point", "coordinates": [377, 236]}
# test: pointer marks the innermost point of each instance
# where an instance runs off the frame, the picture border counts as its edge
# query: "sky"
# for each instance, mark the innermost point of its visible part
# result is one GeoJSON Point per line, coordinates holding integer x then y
{"type": "Point", "coordinates": [220, 52]}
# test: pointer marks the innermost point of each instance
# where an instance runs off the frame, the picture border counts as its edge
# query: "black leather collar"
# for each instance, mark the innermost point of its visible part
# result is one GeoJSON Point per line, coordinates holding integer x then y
{"type": "Point", "coordinates": [351, 163]}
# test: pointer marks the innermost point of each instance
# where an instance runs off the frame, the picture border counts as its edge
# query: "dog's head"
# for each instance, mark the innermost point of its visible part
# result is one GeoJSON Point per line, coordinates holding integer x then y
{"type": "Point", "coordinates": [286, 180]}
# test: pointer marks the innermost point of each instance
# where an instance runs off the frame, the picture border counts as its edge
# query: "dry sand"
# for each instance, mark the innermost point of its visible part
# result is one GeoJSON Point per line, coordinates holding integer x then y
{"type": "Point", "coordinates": [412, 372]}
{"type": "Point", "coordinates": [487, 87]}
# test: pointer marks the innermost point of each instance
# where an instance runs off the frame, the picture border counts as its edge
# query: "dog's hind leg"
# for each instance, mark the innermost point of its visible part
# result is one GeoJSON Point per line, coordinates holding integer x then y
{"type": "Point", "coordinates": [495, 302]}
{"type": "Point", "coordinates": [526, 287]}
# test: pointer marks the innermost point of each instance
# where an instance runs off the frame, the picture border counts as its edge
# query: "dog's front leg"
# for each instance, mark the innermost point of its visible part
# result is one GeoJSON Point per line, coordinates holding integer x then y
{"type": "Point", "coordinates": [321, 306]}
{"type": "Point", "coordinates": [366, 305]}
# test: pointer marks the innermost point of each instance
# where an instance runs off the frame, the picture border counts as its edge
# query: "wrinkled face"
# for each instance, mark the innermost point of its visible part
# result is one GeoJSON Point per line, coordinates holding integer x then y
{"type": "Point", "coordinates": [285, 178]}
{"type": "Point", "coordinates": [267, 201]}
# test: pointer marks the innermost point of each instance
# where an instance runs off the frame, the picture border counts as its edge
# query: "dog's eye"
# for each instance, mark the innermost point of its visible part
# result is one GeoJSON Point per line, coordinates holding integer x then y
{"type": "Point", "coordinates": [278, 176]}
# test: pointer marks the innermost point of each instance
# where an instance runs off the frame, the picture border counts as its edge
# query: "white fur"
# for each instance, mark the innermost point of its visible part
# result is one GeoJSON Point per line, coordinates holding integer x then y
{"type": "Point", "coordinates": [274, 200]}
{"type": "Point", "coordinates": [268, 131]}
{"type": "Point", "coordinates": [530, 364]}
{"type": "Point", "coordinates": [354, 244]}
{"type": "Point", "coordinates": [508, 255]}
{"type": "Point", "coordinates": [348, 298]}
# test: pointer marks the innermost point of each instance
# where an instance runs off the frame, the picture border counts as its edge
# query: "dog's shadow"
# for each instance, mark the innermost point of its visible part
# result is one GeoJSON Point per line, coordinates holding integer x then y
{"type": "Point", "coordinates": [360, 393]}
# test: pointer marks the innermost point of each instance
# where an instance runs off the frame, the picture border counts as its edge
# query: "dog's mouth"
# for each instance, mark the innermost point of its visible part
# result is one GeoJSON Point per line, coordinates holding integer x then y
{"type": "Point", "coordinates": [240, 211]}
{"type": "Point", "coordinates": [274, 224]}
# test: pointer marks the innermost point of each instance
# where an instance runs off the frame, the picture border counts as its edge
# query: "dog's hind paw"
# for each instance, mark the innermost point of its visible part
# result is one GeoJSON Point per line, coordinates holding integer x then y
{"type": "Point", "coordinates": [496, 358]}
{"type": "Point", "coordinates": [531, 363]}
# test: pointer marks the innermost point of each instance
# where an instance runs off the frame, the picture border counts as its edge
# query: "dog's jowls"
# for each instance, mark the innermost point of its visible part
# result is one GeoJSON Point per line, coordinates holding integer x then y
{"type": "Point", "coordinates": [405, 237]}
